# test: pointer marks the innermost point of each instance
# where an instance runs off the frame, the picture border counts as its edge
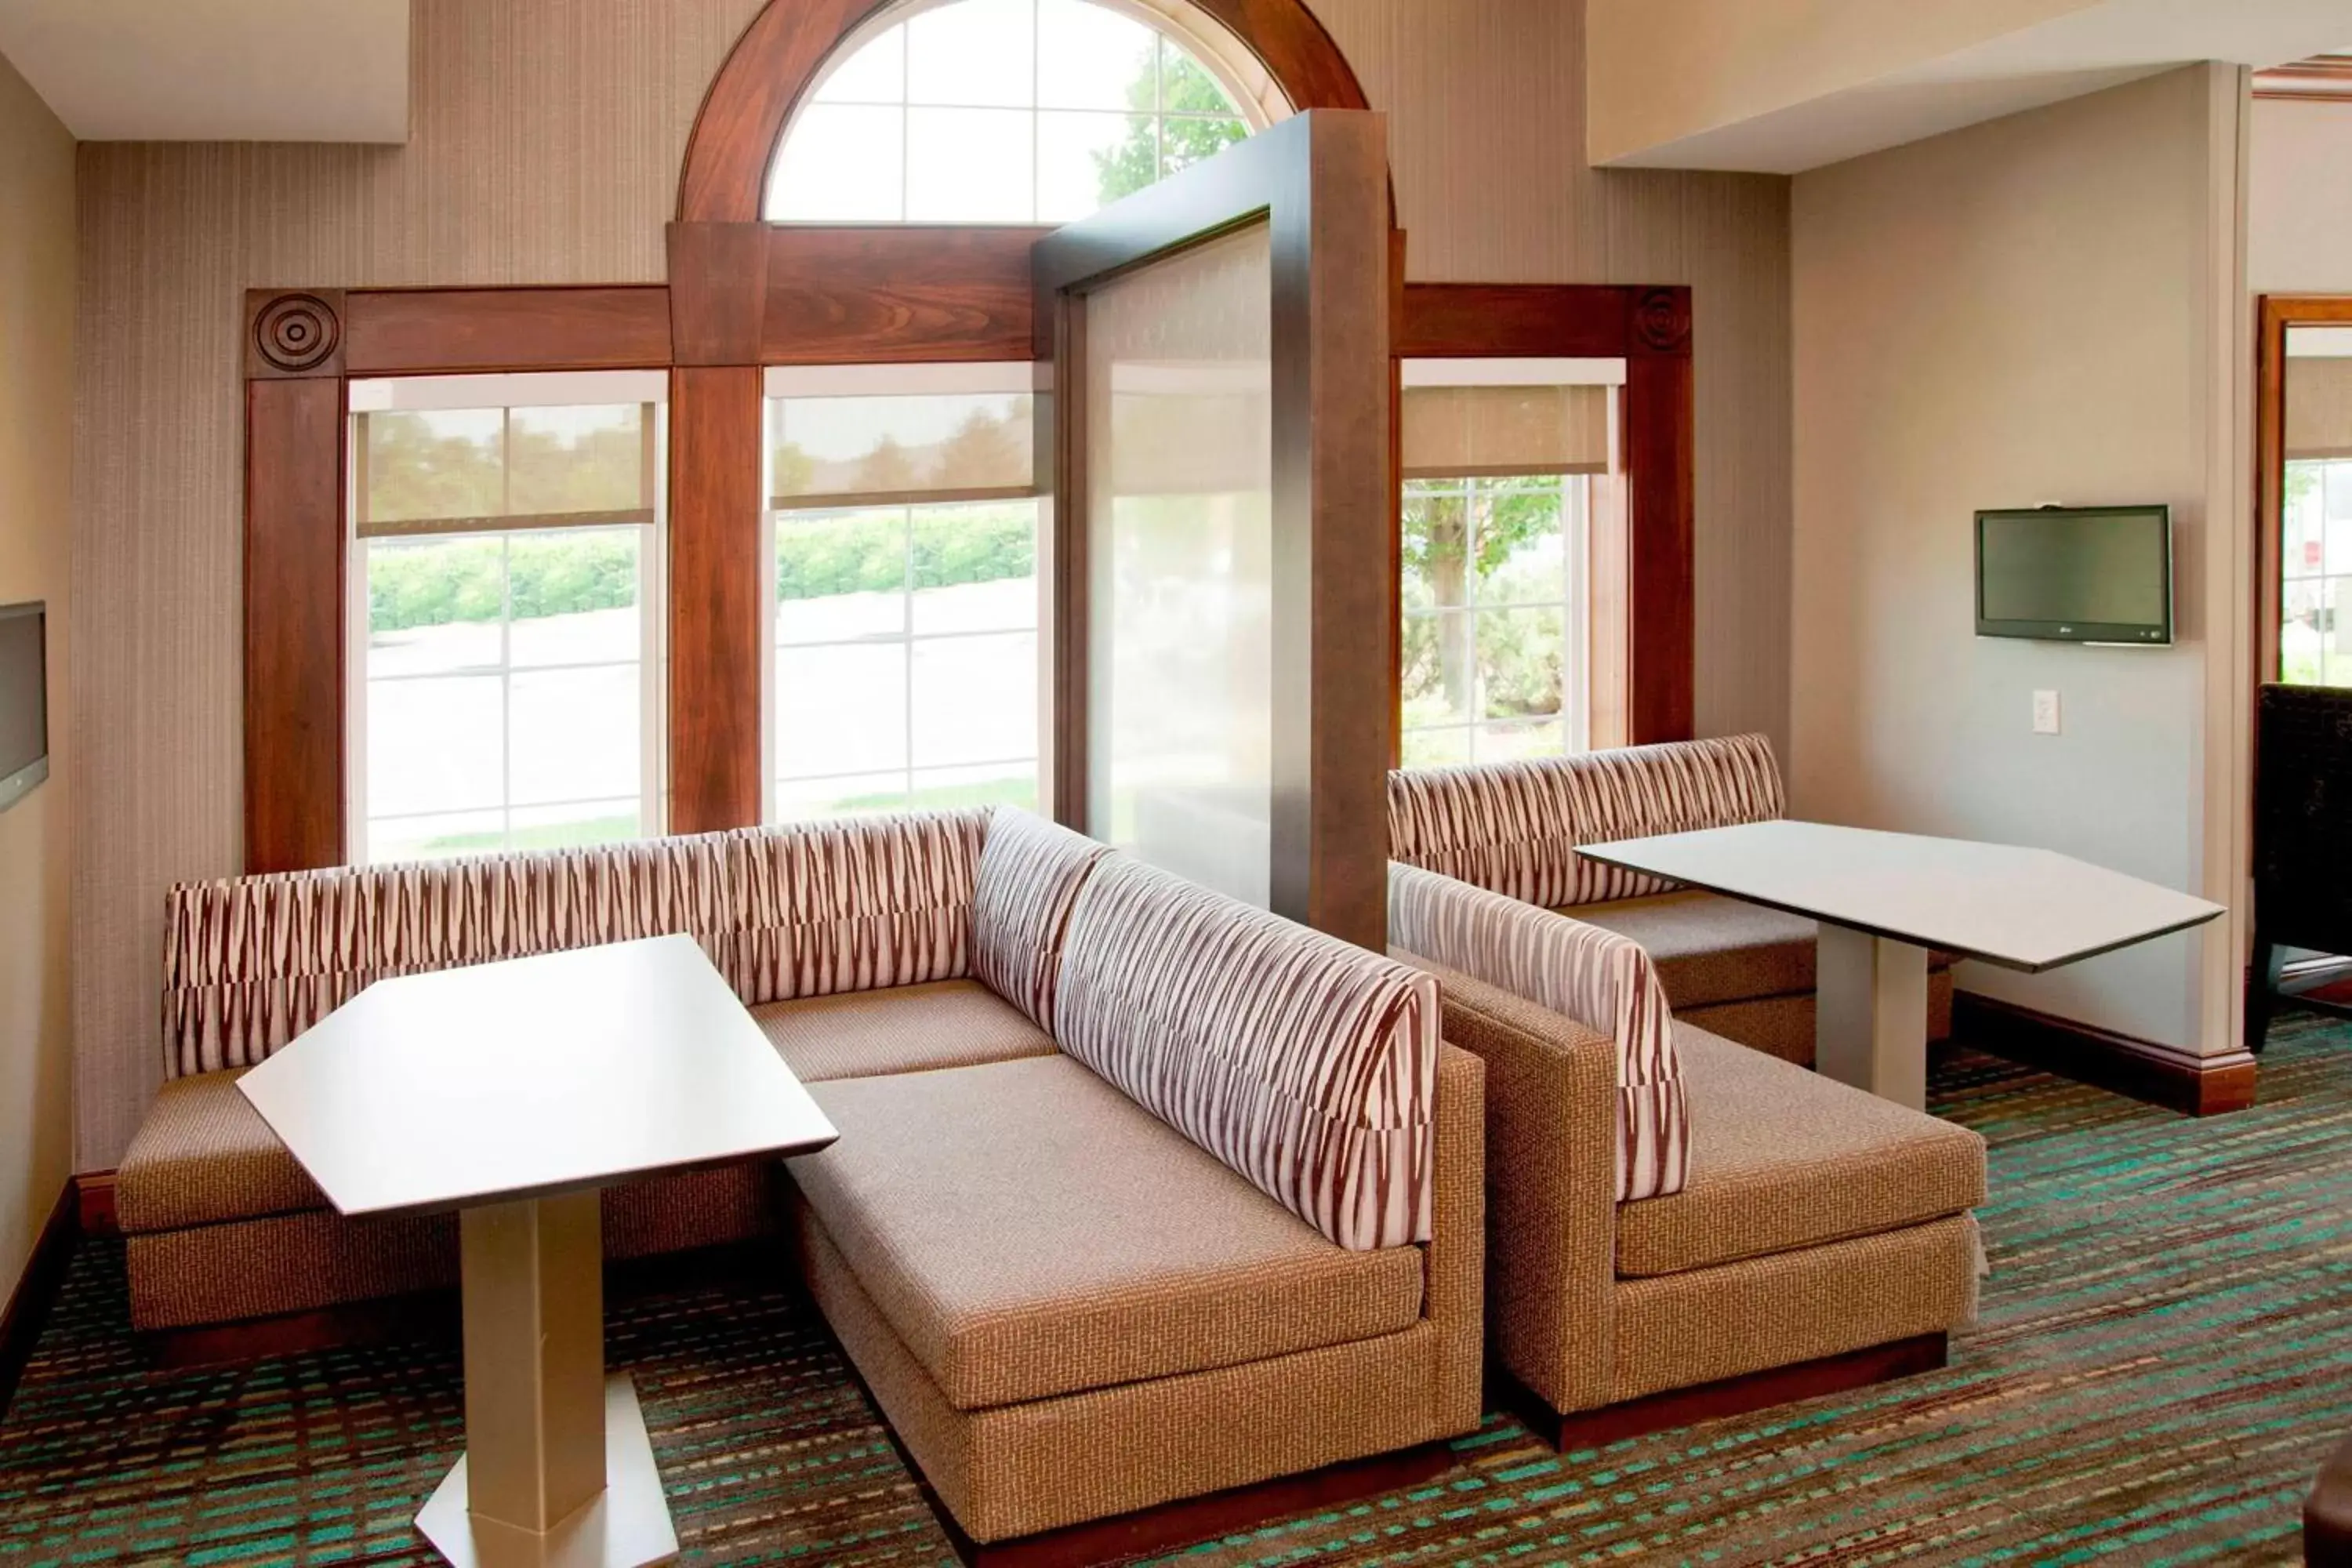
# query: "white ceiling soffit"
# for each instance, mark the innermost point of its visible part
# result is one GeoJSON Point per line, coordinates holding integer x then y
{"type": "Point", "coordinates": [215, 71]}
{"type": "Point", "coordinates": [2100, 47]}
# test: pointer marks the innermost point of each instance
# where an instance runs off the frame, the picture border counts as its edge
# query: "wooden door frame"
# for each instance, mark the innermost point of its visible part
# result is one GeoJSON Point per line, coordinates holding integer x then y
{"type": "Point", "coordinates": [2275, 314]}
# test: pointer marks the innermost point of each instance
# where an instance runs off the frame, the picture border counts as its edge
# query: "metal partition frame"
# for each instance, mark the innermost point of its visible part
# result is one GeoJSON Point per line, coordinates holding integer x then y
{"type": "Point", "coordinates": [1319, 181]}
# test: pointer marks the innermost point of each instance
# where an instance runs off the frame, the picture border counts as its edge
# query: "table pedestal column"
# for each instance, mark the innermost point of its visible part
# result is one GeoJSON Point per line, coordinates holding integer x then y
{"type": "Point", "coordinates": [1870, 1015]}
{"type": "Point", "coordinates": [557, 1472]}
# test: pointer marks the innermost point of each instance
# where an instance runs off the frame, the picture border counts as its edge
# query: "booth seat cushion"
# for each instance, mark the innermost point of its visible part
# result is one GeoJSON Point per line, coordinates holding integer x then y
{"type": "Point", "coordinates": [1710, 949]}
{"type": "Point", "coordinates": [905, 1028]}
{"type": "Point", "coordinates": [1782, 1158]}
{"type": "Point", "coordinates": [205, 1156]}
{"type": "Point", "coordinates": [1028, 1230]}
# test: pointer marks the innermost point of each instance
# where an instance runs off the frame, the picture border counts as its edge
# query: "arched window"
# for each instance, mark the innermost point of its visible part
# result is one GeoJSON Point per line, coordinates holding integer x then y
{"type": "Point", "coordinates": [1013, 112]}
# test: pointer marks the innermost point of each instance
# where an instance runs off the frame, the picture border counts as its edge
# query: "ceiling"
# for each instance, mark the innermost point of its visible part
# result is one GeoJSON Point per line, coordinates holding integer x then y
{"type": "Point", "coordinates": [215, 71]}
{"type": "Point", "coordinates": [2097, 45]}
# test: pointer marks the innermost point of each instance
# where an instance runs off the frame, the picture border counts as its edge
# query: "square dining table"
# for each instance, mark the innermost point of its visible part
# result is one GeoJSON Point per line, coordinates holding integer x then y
{"type": "Point", "coordinates": [512, 1093]}
{"type": "Point", "coordinates": [1882, 899]}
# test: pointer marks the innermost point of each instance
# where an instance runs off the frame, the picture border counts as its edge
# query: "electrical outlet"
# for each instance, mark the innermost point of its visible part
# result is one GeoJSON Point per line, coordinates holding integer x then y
{"type": "Point", "coordinates": [2045, 712]}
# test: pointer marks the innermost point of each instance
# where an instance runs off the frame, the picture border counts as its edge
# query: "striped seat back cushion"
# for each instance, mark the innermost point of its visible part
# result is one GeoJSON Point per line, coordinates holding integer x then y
{"type": "Point", "coordinates": [251, 962]}
{"type": "Point", "coordinates": [1308, 1065]}
{"type": "Point", "coordinates": [1030, 874]}
{"type": "Point", "coordinates": [1600, 979]}
{"type": "Point", "coordinates": [1515, 828]}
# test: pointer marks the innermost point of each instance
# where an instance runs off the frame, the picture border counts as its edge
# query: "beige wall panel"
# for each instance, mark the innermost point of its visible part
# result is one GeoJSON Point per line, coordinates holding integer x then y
{"type": "Point", "coordinates": [545, 147]}
{"type": "Point", "coordinates": [2299, 198]}
{"type": "Point", "coordinates": [37, 309]}
{"type": "Point", "coordinates": [1665, 69]}
{"type": "Point", "coordinates": [2033, 309]}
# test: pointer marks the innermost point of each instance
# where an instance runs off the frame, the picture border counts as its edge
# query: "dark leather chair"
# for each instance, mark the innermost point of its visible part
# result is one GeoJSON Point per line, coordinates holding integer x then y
{"type": "Point", "coordinates": [2327, 1514]}
{"type": "Point", "coordinates": [2303, 835]}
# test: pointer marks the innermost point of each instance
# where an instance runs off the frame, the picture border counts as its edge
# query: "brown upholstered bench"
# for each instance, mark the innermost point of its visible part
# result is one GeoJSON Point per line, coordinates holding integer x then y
{"type": "Point", "coordinates": [1735, 969]}
{"type": "Point", "coordinates": [1681, 1225]}
{"type": "Point", "coordinates": [1030, 1248]}
{"type": "Point", "coordinates": [220, 1224]}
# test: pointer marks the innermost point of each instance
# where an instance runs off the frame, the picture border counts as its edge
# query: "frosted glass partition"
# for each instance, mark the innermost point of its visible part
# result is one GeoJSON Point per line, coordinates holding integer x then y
{"type": "Point", "coordinates": [1179, 479]}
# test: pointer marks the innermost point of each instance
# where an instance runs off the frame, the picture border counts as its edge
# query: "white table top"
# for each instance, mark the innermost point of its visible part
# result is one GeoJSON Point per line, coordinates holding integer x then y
{"type": "Point", "coordinates": [2023, 909]}
{"type": "Point", "coordinates": [529, 1077]}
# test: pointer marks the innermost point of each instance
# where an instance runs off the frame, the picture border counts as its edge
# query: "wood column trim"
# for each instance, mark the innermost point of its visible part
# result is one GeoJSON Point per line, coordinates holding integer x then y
{"type": "Point", "coordinates": [715, 655]}
{"type": "Point", "coordinates": [294, 634]}
{"type": "Point", "coordinates": [717, 291]}
{"type": "Point", "coordinates": [1660, 460]}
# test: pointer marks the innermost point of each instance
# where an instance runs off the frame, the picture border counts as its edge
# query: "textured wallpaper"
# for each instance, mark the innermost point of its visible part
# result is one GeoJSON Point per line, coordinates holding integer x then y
{"type": "Point", "coordinates": [545, 141]}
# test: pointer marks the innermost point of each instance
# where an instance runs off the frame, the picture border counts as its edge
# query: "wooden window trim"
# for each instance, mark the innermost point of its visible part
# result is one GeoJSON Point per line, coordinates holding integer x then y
{"type": "Point", "coordinates": [1648, 328]}
{"type": "Point", "coordinates": [740, 294]}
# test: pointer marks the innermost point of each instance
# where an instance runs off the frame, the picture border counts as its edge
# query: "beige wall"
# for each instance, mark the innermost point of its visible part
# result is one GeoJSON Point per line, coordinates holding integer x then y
{"type": "Point", "coordinates": [546, 141]}
{"type": "Point", "coordinates": [37, 309]}
{"type": "Point", "coordinates": [2044, 308]}
{"type": "Point", "coordinates": [2299, 198]}
{"type": "Point", "coordinates": [1662, 70]}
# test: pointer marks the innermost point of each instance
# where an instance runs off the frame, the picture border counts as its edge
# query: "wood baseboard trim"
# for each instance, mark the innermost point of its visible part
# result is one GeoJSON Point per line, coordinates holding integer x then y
{"type": "Point", "coordinates": [1171, 1526]}
{"type": "Point", "coordinates": [2194, 1085]}
{"type": "Point", "coordinates": [37, 1289]}
{"type": "Point", "coordinates": [1674, 1407]}
{"type": "Point", "coordinates": [95, 1195]}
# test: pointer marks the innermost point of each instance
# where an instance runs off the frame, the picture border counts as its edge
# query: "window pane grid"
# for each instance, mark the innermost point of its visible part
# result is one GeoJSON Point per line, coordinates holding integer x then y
{"type": "Point", "coordinates": [904, 648]}
{"type": "Point", "coordinates": [1495, 665]}
{"type": "Point", "coordinates": [506, 645]}
{"type": "Point", "coordinates": [416, 750]}
{"type": "Point", "coordinates": [876, 145]}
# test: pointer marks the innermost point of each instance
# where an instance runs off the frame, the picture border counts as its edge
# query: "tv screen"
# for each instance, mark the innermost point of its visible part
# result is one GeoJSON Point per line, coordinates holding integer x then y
{"type": "Point", "coordinates": [2076, 574]}
{"type": "Point", "coordinates": [24, 701]}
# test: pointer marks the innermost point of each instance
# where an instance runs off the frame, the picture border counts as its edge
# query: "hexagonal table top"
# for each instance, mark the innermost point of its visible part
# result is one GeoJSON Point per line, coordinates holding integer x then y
{"type": "Point", "coordinates": [531, 1078]}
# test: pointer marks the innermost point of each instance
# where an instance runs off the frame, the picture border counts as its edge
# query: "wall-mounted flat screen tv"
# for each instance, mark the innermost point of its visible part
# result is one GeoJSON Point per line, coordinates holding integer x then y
{"type": "Point", "coordinates": [24, 701]}
{"type": "Point", "coordinates": [2076, 573]}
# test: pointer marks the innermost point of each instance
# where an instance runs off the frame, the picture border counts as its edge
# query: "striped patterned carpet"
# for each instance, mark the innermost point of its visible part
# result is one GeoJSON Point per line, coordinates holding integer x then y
{"type": "Point", "coordinates": [2165, 1357]}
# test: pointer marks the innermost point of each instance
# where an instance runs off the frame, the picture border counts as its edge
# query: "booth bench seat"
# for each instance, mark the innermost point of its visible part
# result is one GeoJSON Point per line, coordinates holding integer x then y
{"type": "Point", "coordinates": [1064, 1306]}
{"type": "Point", "coordinates": [1681, 1225]}
{"type": "Point", "coordinates": [1735, 969]}
{"type": "Point", "coordinates": [905, 1028]}
{"type": "Point", "coordinates": [1140, 1192]}
{"type": "Point", "coordinates": [1740, 969]}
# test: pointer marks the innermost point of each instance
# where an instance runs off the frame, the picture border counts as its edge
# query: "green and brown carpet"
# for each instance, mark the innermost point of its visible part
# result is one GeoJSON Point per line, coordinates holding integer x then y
{"type": "Point", "coordinates": [2163, 1360]}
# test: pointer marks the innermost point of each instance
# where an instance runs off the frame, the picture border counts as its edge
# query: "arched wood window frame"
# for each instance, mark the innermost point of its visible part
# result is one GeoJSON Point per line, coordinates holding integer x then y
{"type": "Point", "coordinates": [744, 293]}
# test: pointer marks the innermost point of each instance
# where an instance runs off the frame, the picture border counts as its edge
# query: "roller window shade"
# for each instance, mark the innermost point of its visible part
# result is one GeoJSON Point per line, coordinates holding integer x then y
{"type": "Point", "coordinates": [498, 471]}
{"type": "Point", "coordinates": [2318, 407]}
{"type": "Point", "coordinates": [1453, 432]}
{"type": "Point", "coordinates": [828, 453]}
